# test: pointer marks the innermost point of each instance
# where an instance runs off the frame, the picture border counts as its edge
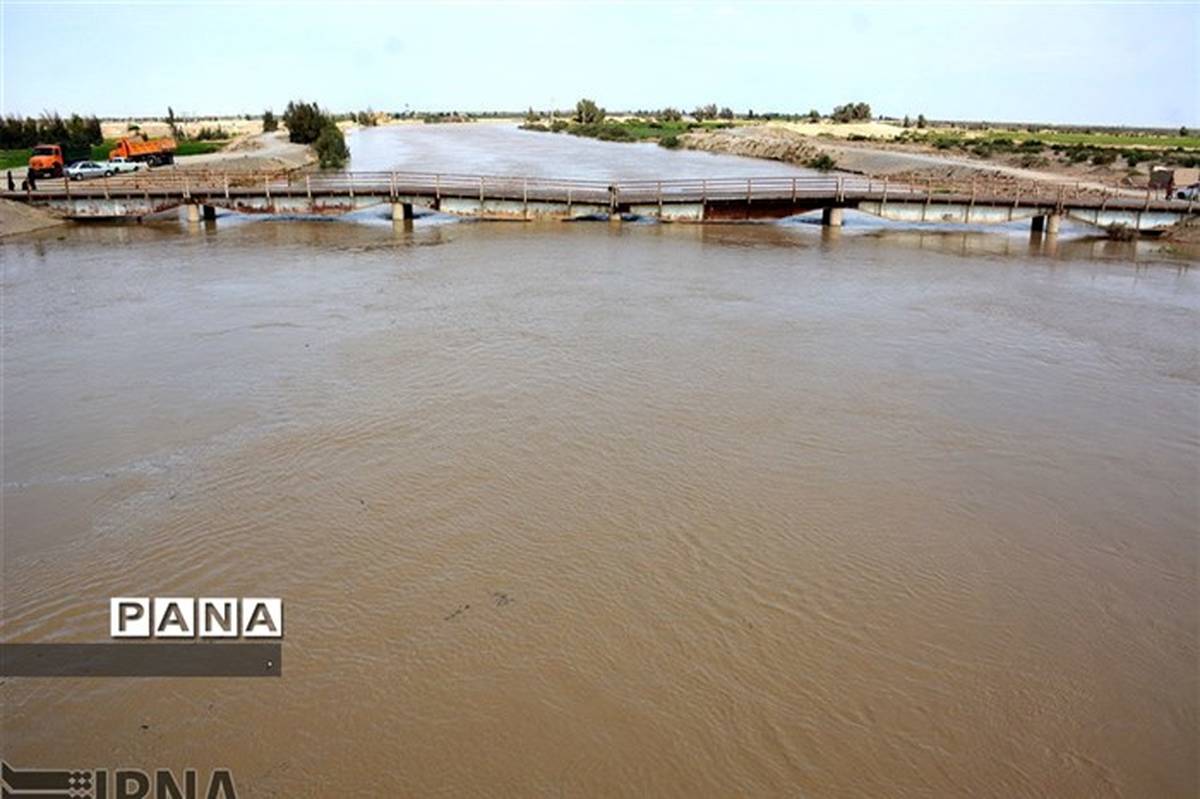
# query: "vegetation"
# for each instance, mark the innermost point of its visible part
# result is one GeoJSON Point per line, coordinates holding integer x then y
{"type": "Point", "coordinates": [824, 162]}
{"type": "Point", "coordinates": [851, 112]}
{"type": "Point", "coordinates": [307, 123]}
{"type": "Point", "coordinates": [703, 112]}
{"type": "Point", "coordinates": [588, 113]}
{"type": "Point", "coordinates": [670, 141]}
{"type": "Point", "coordinates": [814, 115]}
{"type": "Point", "coordinates": [269, 122]}
{"type": "Point", "coordinates": [212, 134]}
{"type": "Point", "coordinates": [669, 114]}
{"type": "Point", "coordinates": [331, 147]}
{"type": "Point", "coordinates": [76, 132]}
{"type": "Point", "coordinates": [368, 118]}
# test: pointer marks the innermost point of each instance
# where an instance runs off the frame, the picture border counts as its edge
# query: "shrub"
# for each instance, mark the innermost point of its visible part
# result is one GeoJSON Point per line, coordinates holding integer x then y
{"type": "Point", "coordinates": [1079, 156]}
{"type": "Point", "coordinates": [588, 113]}
{"type": "Point", "coordinates": [1104, 158]}
{"type": "Point", "coordinates": [670, 114]}
{"type": "Point", "coordinates": [331, 147]}
{"type": "Point", "coordinates": [813, 116]}
{"type": "Point", "coordinates": [1118, 231]}
{"type": "Point", "coordinates": [269, 121]}
{"type": "Point", "coordinates": [921, 121]}
{"type": "Point", "coordinates": [212, 134]}
{"type": "Point", "coordinates": [670, 141]}
{"type": "Point", "coordinates": [558, 126]}
{"type": "Point", "coordinates": [823, 161]}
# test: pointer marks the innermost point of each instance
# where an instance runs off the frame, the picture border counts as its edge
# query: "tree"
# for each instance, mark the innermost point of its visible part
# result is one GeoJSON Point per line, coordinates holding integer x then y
{"type": "Point", "coordinates": [814, 116]}
{"type": "Point", "coordinates": [588, 113]}
{"type": "Point", "coordinates": [1183, 131]}
{"type": "Point", "coordinates": [331, 146]}
{"type": "Point", "coordinates": [703, 112]}
{"type": "Point", "coordinates": [269, 121]}
{"type": "Point", "coordinates": [726, 113]}
{"type": "Point", "coordinates": [304, 121]}
{"type": "Point", "coordinates": [851, 112]}
{"type": "Point", "coordinates": [907, 122]}
{"type": "Point", "coordinates": [176, 133]}
{"type": "Point", "coordinates": [921, 121]}
{"type": "Point", "coordinates": [531, 116]}
{"type": "Point", "coordinates": [670, 114]}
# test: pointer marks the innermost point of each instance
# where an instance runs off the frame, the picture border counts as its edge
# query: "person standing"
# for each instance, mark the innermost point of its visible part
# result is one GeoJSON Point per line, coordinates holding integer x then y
{"type": "Point", "coordinates": [11, 185]}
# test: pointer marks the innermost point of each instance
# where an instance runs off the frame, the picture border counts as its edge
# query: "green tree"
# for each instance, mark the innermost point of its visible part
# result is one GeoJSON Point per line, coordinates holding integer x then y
{"type": "Point", "coordinates": [726, 113]}
{"type": "Point", "coordinates": [851, 112]}
{"type": "Point", "coordinates": [304, 121]}
{"type": "Point", "coordinates": [331, 146]}
{"type": "Point", "coordinates": [814, 115]}
{"type": "Point", "coordinates": [670, 114]}
{"type": "Point", "coordinates": [907, 122]}
{"type": "Point", "coordinates": [921, 122]}
{"type": "Point", "coordinates": [588, 113]}
{"type": "Point", "coordinates": [269, 122]}
{"type": "Point", "coordinates": [703, 112]}
{"type": "Point", "coordinates": [1183, 131]}
{"type": "Point", "coordinates": [176, 133]}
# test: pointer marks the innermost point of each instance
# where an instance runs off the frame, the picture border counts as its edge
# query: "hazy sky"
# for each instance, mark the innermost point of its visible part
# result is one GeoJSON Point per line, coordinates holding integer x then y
{"type": "Point", "coordinates": [1117, 63]}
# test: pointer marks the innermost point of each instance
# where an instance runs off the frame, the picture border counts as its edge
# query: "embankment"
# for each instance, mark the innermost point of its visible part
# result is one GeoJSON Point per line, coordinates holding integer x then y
{"type": "Point", "coordinates": [20, 218]}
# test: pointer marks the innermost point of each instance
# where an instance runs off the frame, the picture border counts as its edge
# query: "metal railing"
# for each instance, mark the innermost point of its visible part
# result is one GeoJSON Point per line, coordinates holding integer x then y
{"type": "Point", "coordinates": [200, 184]}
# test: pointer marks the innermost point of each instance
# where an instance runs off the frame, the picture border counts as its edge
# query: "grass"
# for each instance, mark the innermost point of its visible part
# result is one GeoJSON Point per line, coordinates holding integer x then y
{"type": "Point", "coordinates": [14, 159]}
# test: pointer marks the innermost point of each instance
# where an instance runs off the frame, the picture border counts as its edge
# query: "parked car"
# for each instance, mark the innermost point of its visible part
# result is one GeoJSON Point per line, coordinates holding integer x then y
{"type": "Point", "coordinates": [82, 170]}
{"type": "Point", "coordinates": [122, 164]}
{"type": "Point", "coordinates": [1191, 192]}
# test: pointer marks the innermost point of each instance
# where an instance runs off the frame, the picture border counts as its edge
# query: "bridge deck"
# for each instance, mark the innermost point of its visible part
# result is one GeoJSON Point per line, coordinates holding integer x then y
{"type": "Point", "coordinates": [775, 196]}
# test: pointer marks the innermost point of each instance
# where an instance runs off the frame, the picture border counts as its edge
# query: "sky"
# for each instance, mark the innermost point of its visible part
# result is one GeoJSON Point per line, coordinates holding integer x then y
{"type": "Point", "coordinates": [1086, 63]}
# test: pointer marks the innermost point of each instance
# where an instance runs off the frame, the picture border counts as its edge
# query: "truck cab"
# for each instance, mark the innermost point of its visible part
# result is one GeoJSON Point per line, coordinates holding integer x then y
{"type": "Point", "coordinates": [46, 161]}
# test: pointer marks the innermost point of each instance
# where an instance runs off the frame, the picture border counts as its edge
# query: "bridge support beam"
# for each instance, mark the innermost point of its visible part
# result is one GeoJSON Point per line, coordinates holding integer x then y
{"type": "Point", "coordinates": [401, 211]}
{"type": "Point", "coordinates": [831, 217]}
{"type": "Point", "coordinates": [193, 213]}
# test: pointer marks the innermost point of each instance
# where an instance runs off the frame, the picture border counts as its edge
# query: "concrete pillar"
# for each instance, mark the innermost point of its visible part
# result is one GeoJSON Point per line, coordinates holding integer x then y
{"type": "Point", "coordinates": [831, 217]}
{"type": "Point", "coordinates": [1038, 224]}
{"type": "Point", "coordinates": [401, 211]}
{"type": "Point", "coordinates": [1052, 223]}
{"type": "Point", "coordinates": [193, 213]}
{"type": "Point", "coordinates": [210, 213]}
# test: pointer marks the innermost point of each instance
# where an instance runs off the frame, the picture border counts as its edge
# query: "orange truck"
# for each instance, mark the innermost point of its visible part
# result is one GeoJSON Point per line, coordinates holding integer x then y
{"type": "Point", "coordinates": [48, 161]}
{"type": "Point", "coordinates": [151, 151]}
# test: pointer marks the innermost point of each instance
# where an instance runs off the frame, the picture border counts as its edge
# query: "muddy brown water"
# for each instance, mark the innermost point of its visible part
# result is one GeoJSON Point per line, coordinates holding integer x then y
{"type": "Point", "coordinates": [595, 510]}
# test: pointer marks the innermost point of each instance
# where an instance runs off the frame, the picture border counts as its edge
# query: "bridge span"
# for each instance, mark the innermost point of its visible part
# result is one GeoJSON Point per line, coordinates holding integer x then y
{"type": "Point", "coordinates": [961, 201]}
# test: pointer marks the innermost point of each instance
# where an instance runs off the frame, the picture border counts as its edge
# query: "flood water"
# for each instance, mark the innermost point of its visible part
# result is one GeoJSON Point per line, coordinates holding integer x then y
{"type": "Point", "coordinates": [588, 509]}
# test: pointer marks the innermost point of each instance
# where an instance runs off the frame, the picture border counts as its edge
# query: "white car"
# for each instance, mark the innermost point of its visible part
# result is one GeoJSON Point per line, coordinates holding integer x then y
{"type": "Point", "coordinates": [82, 170]}
{"type": "Point", "coordinates": [120, 164]}
{"type": "Point", "coordinates": [1191, 192]}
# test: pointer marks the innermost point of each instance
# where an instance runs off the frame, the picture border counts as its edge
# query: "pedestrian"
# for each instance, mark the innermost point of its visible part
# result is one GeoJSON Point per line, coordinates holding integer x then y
{"type": "Point", "coordinates": [1170, 186]}
{"type": "Point", "coordinates": [11, 187]}
{"type": "Point", "coordinates": [31, 179]}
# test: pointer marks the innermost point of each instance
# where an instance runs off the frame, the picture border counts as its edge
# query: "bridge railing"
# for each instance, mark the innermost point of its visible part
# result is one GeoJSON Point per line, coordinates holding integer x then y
{"type": "Point", "coordinates": [200, 183]}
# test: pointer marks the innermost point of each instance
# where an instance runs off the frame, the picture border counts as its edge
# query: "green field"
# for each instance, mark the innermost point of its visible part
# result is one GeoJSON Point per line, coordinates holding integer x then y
{"type": "Point", "coordinates": [1068, 138]}
{"type": "Point", "coordinates": [18, 159]}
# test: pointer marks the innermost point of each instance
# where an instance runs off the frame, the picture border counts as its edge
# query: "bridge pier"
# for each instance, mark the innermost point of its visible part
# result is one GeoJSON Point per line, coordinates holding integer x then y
{"type": "Point", "coordinates": [401, 211]}
{"type": "Point", "coordinates": [1047, 223]}
{"type": "Point", "coordinates": [210, 213]}
{"type": "Point", "coordinates": [831, 217]}
{"type": "Point", "coordinates": [193, 213]}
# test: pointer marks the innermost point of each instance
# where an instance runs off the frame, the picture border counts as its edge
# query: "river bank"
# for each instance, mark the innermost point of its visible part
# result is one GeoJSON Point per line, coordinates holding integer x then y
{"type": "Point", "coordinates": [882, 156]}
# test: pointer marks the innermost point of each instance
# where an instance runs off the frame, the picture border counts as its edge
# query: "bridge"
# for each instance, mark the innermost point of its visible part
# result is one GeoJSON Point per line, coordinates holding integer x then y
{"type": "Point", "coordinates": [961, 201]}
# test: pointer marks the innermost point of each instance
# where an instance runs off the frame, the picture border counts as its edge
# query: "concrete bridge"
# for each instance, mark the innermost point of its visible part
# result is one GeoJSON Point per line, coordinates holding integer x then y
{"type": "Point", "coordinates": [971, 201]}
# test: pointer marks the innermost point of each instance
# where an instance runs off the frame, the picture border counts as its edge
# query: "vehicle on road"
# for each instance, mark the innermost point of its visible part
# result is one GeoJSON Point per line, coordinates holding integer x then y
{"type": "Point", "coordinates": [122, 164]}
{"type": "Point", "coordinates": [50, 160]}
{"type": "Point", "coordinates": [1191, 192]}
{"type": "Point", "coordinates": [154, 152]}
{"type": "Point", "coordinates": [82, 170]}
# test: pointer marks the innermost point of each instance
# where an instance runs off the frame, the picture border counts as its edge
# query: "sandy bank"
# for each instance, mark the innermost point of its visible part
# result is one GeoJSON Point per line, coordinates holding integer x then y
{"type": "Point", "coordinates": [258, 151]}
{"type": "Point", "coordinates": [773, 143]}
{"type": "Point", "coordinates": [20, 218]}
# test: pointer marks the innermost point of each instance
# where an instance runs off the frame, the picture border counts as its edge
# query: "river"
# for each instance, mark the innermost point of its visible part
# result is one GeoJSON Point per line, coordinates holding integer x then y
{"type": "Point", "coordinates": [607, 509]}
